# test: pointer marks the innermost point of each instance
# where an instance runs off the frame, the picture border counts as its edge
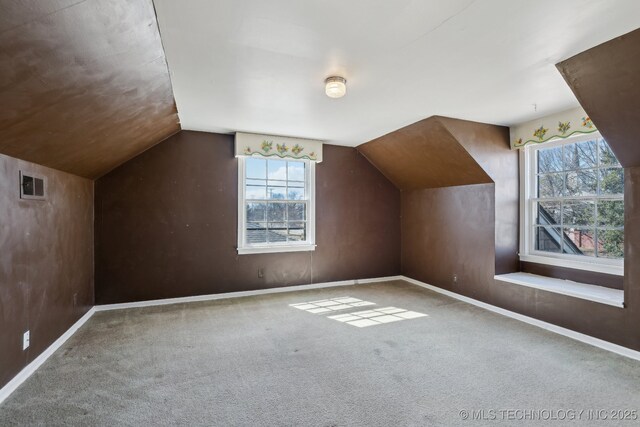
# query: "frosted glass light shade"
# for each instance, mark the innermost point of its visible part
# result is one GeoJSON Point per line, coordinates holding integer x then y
{"type": "Point", "coordinates": [335, 87]}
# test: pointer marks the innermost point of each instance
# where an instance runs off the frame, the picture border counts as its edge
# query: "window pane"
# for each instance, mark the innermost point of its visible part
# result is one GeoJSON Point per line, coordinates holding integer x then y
{"type": "Point", "coordinates": [297, 231]}
{"type": "Point", "coordinates": [579, 213]}
{"type": "Point", "coordinates": [277, 232]}
{"type": "Point", "coordinates": [296, 193]}
{"type": "Point", "coordinates": [611, 213]}
{"type": "Point", "coordinates": [548, 239]}
{"type": "Point", "coordinates": [296, 171]}
{"type": "Point", "coordinates": [277, 169]}
{"type": "Point", "coordinates": [549, 160]}
{"type": "Point", "coordinates": [577, 222]}
{"type": "Point", "coordinates": [581, 183]}
{"type": "Point", "coordinates": [579, 241]}
{"type": "Point", "coordinates": [254, 192]}
{"type": "Point", "coordinates": [611, 181]}
{"type": "Point", "coordinates": [276, 211]}
{"type": "Point", "coordinates": [256, 168]}
{"type": "Point", "coordinates": [256, 232]}
{"type": "Point", "coordinates": [550, 185]}
{"type": "Point", "coordinates": [581, 155]}
{"type": "Point", "coordinates": [548, 213]}
{"type": "Point", "coordinates": [607, 158]}
{"type": "Point", "coordinates": [610, 243]}
{"type": "Point", "coordinates": [256, 212]}
{"type": "Point", "coordinates": [275, 201]}
{"type": "Point", "coordinates": [296, 212]}
{"type": "Point", "coordinates": [278, 193]}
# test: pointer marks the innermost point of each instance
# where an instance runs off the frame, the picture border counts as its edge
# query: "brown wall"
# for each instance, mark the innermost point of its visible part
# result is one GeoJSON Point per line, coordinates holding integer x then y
{"type": "Point", "coordinates": [441, 152]}
{"type": "Point", "coordinates": [166, 224]}
{"type": "Point", "coordinates": [455, 231]}
{"type": "Point", "coordinates": [46, 267]}
{"type": "Point", "coordinates": [591, 277]}
{"type": "Point", "coordinates": [489, 146]}
{"type": "Point", "coordinates": [448, 231]}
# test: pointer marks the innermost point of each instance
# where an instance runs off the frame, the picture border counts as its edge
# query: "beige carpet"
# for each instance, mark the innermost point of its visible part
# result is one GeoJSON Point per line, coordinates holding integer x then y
{"type": "Point", "coordinates": [260, 361]}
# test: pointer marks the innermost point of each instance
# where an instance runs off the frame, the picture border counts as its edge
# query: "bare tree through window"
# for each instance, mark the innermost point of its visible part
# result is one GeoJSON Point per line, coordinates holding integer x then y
{"type": "Point", "coordinates": [579, 200]}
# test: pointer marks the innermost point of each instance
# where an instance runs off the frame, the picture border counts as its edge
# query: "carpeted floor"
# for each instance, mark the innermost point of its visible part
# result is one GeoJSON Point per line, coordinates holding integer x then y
{"type": "Point", "coordinates": [259, 361]}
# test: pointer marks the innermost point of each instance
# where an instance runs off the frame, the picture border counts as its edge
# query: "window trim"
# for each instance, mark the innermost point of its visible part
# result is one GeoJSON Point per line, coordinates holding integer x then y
{"type": "Point", "coordinates": [527, 216]}
{"type": "Point", "coordinates": [259, 248]}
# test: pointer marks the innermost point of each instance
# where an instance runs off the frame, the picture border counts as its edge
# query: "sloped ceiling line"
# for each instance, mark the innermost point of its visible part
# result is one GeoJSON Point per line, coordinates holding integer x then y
{"type": "Point", "coordinates": [605, 81]}
{"type": "Point", "coordinates": [425, 155]}
{"type": "Point", "coordinates": [84, 86]}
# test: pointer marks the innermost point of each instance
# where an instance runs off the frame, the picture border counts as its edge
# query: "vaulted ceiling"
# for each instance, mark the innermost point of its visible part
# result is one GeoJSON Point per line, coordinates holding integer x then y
{"type": "Point", "coordinates": [84, 85]}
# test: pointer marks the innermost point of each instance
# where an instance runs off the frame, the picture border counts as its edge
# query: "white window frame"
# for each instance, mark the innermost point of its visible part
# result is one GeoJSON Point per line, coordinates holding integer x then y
{"type": "Point", "coordinates": [528, 253]}
{"type": "Point", "coordinates": [274, 247]}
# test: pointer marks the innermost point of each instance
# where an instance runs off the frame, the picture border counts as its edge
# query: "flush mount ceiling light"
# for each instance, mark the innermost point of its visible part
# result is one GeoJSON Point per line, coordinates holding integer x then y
{"type": "Point", "coordinates": [335, 86]}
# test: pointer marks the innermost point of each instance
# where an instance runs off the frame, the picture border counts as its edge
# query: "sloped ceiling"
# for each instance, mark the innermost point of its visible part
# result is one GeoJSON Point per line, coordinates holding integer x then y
{"type": "Point", "coordinates": [606, 81]}
{"type": "Point", "coordinates": [446, 152]}
{"type": "Point", "coordinates": [424, 155]}
{"type": "Point", "coordinates": [84, 85]}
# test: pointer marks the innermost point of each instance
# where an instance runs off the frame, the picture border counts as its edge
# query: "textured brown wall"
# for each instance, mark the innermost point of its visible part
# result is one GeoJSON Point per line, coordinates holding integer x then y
{"type": "Point", "coordinates": [47, 258]}
{"type": "Point", "coordinates": [441, 152]}
{"type": "Point", "coordinates": [591, 277]}
{"type": "Point", "coordinates": [605, 81]}
{"type": "Point", "coordinates": [166, 224]}
{"type": "Point", "coordinates": [454, 231]}
{"type": "Point", "coordinates": [489, 147]}
{"type": "Point", "coordinates": [449, 231]}
{"type": "Point", "coordinates": [84, 85]}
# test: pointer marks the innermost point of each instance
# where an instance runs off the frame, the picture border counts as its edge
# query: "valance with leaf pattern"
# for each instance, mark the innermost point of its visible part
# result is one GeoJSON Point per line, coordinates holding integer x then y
{"type": "Point", "coordinates": [560, 125]}
{"type": "Point", "coordinates": [252, 144]}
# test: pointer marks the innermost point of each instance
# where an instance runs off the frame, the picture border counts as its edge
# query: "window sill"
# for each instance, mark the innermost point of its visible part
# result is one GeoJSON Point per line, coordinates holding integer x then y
{"type": "Point", "coordinates": [616, 270]}
{"type": "Point", "coordinates": [599, 294]}
{"type": "Point", "coordinates": [275, 249]}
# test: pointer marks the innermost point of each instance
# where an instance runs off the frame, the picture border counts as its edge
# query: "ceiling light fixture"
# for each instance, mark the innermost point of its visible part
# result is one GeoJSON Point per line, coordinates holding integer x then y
{"type": "Point", "coordinates": [335, 86]}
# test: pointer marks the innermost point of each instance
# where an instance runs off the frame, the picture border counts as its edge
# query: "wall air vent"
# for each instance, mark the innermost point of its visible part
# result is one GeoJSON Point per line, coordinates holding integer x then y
{"type": "Point", "coordinates": [32, 186]}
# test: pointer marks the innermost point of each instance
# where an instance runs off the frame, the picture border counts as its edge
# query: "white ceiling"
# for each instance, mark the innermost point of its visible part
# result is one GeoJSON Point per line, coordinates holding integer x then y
{"type": "Point", "coordinates": [259, 66]}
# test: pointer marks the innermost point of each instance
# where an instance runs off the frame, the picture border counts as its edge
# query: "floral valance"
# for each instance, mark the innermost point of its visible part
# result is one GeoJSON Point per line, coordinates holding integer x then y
{"type": "Point", "coordinates": [251, 144]}
{"type": "Point", "coordinates": [549, 128]}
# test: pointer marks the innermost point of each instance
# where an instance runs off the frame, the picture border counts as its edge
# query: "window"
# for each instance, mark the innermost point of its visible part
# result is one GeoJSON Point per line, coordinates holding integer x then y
{"type": "Point", "coordinates": [276, 205]}
{"type": "Point", "coordinates": [574, 205]}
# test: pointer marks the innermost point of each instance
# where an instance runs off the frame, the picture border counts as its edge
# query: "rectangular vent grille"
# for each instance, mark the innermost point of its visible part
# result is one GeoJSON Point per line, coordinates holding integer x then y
{"type": "Point", "coordinates": [32, 186]}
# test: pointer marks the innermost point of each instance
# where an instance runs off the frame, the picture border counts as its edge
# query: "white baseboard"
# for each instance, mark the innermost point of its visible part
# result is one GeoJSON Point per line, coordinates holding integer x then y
{"type": "Point", "coordinates": [211, 297]}
{"type": "Point", "coordinates": [12, 385]}
{"type": "Point", "coordinates": [587, 339]}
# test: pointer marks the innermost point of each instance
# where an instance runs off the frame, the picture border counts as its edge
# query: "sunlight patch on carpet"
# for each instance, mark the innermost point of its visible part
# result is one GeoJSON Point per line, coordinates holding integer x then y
{"type": "Point", "coordinates": [330, 305]}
